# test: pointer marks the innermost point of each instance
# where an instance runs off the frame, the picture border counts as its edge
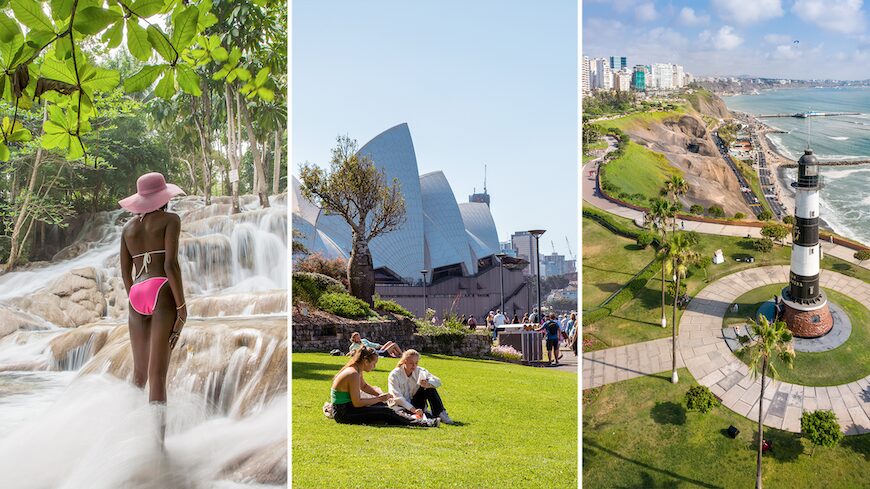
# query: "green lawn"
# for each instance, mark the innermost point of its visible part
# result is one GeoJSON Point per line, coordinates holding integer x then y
{"type": "Point", "coordinates": [518, 430]}
{"type": "Point", "coordinates": [640, 174]}
{"type": "Point", "coordinates": [640, 319]}
{"type": "Point", "coordinates": [642, 119]}
{"type": "Point", "coordinates": [844, 364]}
{"type": "Point", "coordinates": [637, 433]}
{"type": "Point", "coordinates": [609, 261]}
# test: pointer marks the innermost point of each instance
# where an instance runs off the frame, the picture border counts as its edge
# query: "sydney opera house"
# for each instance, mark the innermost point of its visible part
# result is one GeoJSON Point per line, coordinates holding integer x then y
{"type": "Point", "coordinates": [456, 242]}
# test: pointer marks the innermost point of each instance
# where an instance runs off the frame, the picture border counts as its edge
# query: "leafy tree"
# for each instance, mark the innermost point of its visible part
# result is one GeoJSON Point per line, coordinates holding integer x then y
{"type": "Point", "coordinates": [764, 245]}
{"type": "Point", "coordinates": [356, 190]}
{"type": "Point", "coordinates": [660, 212]}
{"type": "Point", "coordinates": [772, 340]}
{"type": "Point", "coordinates": [645, 238]}
{"type": "Point", "coordinates": [715, 211]}
{"type": "Point", "coordinates": [739, 215]}
{"type": "Point", "coordinates": [696, 209]}
{"type": "Point", "coordinates": [788, 220]}
{"type": "Point", "coordinates": [821, 428]}
{"type": "Point", "coordinates": [676, 186]}
{"type": "Point", "coordinates": [775, 231]}
{"type": "Point", "coordinates": [704, 263]}
{"type": "Point", "coordinates": [681, 254]}
{"type": "Point", "coordinates": [862, 255]}
{"type": "Point", "coordinates": [765, 215]}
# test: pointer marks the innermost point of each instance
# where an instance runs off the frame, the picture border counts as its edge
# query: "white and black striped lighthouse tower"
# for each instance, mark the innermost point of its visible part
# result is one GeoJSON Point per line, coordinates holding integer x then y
{"type": "Point", "coordinates": [805, 305]}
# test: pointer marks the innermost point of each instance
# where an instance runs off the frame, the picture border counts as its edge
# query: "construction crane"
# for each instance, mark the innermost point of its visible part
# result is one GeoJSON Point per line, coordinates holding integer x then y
{"type": "Point", "coordinates": [553, 245]}
{"type": "Point", "coordinates": [571, 253]}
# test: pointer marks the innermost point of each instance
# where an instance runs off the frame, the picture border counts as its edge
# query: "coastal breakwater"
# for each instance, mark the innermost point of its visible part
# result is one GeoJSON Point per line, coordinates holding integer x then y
{"type": "Point", "coordinates": [66, 363]}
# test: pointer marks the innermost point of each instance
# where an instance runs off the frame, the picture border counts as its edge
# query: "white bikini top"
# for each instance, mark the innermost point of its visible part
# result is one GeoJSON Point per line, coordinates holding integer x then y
{"type": "Point", "coordinates": [145, 261]}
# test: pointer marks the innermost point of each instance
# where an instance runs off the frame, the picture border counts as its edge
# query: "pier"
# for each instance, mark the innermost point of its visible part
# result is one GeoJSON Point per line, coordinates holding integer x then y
{"type": "Point", "coordinates": [804, 115]}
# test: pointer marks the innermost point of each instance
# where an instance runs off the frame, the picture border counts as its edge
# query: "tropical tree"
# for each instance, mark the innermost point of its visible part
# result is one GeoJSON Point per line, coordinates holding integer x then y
{"type": "Point", "coordinates": [660, 213]}
{"type": "Point", "coordinates": [772, 340]}
{"type": "Point", "coordinates": [356, 190]}
{"type": "Point", "coordinates": [681, 254]}
{"type": "Point", "coordinates": [676, 186]}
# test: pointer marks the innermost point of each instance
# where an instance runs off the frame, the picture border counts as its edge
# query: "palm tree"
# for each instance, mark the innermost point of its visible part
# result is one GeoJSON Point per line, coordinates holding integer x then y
{"type": "Point", "coordinates": [658, 214]}
{"type": "Point", "coordinates": [681, 253]}
{"type": "Point", "coordinates": [771, 340]}
{"type": "Point", "coordinates": [676, 186]}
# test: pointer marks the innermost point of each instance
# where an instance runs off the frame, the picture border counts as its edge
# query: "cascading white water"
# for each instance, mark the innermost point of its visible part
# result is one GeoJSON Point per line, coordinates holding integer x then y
{"type": "Point", "coordinates": [69, 417]}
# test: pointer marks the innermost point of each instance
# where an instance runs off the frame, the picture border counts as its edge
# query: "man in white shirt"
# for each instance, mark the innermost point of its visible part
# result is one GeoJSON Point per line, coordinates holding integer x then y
{"type": "Point", "coordinates": [497, 321]}
{"type": "Point", "coordinates": [412, 387]}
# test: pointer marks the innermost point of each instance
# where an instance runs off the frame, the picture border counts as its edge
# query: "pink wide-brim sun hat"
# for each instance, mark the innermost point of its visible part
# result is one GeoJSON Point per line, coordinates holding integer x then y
{"type": "Point", "coordinates": [152, 193]}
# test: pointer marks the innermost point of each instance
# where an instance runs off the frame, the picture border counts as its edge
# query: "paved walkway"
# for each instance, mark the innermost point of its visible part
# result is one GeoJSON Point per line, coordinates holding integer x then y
{"type": "Point", "coordinates": [627, 362]}
{"type": "Point", "coordinates": [712, 363]}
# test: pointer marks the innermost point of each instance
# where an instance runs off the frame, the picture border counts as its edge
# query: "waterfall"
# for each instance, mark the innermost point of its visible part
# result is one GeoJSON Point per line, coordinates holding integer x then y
{"type": "Point", "coordinates": [65, 352]}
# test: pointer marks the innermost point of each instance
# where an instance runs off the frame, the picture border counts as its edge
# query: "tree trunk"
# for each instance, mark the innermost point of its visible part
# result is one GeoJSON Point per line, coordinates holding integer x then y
{"type": "Point", "coordinates": [15, 245]}
{"type": "Point", "coordinates": [231, 147]}
{"type": "Point", "coordinates": [276, 169]}
{"type": "Point", "coordinates": [760, 425]}
{"type": "Point", "coordinates": [674, 378]}
{"type": "Point", "coordinates": [259, 167]}
{"type": "Point", "coordinates": [360, 271]}
{"type": "Point", "coordinates": [664, 319]}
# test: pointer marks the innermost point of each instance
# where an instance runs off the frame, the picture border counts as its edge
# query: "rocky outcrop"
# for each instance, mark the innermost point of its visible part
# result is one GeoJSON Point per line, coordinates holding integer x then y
{"type": "Point", "coordinates": [709, 104]}
{"type": "Point", "coordinates": [74, 299]}
{"type": "Point", "coordinates": [688, 145]}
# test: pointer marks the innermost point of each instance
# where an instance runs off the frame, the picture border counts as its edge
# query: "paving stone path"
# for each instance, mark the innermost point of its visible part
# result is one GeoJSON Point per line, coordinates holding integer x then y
{"type": "Point", "coordinates": [711, 362]}
{"type": "Point", "coordinates": [627, 362]}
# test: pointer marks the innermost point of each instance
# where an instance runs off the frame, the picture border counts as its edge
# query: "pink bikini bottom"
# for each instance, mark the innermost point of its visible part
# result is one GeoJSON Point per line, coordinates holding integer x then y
{"type": "Point", "coordinates": [143, 296]}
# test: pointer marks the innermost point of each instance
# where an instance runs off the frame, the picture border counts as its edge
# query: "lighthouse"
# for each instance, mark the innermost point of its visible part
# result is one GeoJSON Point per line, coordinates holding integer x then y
{"type": "Point", "coordinates": [805, 306]}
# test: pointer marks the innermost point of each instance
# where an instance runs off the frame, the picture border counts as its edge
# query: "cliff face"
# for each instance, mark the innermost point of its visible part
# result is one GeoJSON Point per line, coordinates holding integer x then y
{"type": "Point", "coordinates": [688, 145]}
{"type": "Point", "coordinates": [709, 104]}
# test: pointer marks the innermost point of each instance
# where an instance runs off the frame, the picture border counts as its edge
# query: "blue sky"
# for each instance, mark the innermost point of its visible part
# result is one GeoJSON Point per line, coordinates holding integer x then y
{"type": "Point", "coordinates": [734, 37]}
{"type": "Point", "coordinates": [484, 82]}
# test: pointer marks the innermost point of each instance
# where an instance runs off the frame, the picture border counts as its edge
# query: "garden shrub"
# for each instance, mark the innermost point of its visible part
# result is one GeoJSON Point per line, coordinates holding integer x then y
{"type": "Point", "coordinates": [700, 398]}
{"type": "Point", "coordinates": [506, 352]}
{"type": "Point", "coordinates": [344, 305]}
{"type": "Point", "coordinates": [697, 209]}
{"type": "Point", "coordinates": [715, 211]}
{"type": "Point", "coordinates": [821, 428]}
{"type": "Point", "coordinates": [317, 263]}
{"type": "Point", "coordinates": [739, 215]}
{"type": "Point", "coordinates": [391, 306]}
{"type": "Point", "coordinates": [645, 238]}
{"type": "Point", "coordinates": [763, 245]}
{"type": "Point", "coordinates": [308, 286]}
{"type": "Point", "coordinates": [765, 215]}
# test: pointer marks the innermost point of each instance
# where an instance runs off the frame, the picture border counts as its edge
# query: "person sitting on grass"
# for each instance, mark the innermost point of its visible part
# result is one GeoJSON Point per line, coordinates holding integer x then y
{"type": "Point", "coordinates": [552, 329]}
{"type": "Point", "coordinates": [412, 386]}
{"type": "Point", "coordinates": [387, 349]}
{"type": "Point", "coordinates": [348, 405]}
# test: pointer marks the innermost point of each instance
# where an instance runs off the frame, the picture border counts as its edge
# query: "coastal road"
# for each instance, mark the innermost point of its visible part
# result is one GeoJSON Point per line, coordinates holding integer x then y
{"type": "Point", "coordinates": [748, 196]}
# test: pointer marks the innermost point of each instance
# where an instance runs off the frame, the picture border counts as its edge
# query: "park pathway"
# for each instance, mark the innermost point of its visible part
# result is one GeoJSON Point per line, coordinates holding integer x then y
{"type": "Point", "coordinates": [712, 363]}
{"type": "Point", "coordinates": [602, 367]}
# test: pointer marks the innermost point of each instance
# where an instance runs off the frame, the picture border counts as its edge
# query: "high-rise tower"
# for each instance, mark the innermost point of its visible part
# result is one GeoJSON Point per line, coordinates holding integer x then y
{"type": "Point", "coordinates": [805, 305]}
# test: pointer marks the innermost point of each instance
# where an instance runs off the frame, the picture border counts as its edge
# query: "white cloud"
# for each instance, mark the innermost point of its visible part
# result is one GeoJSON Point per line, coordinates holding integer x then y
{"type": "Point", "coordinates": [666, 37]}
{"type": "Point", "coordinates": [724, 39]}
{"type": "Point", "coordinates": [786, 51]}
{"type": "Point", "coordinates": [748, 11]}
{"type": "Point", "coordinates": [646, 12]}
{"type": "Point", "coordinates": [689, 17]}
{"type": "Point", "coordinates": [777, 39]}
{"type": "Point", "coordinates": [844, 16]}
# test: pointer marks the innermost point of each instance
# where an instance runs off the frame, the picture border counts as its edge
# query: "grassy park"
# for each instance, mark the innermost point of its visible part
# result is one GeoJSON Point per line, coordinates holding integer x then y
{"type": "Point", "coordinates": [639, 174]}
{"type": "Point", "coordinates": [637, 433]}
{"type": "Point", "coordinates": [505, 414]}
{"type": "Point", "coordinates": [608, 262]}
{"type": "Point", "coordinates": [846, 363]}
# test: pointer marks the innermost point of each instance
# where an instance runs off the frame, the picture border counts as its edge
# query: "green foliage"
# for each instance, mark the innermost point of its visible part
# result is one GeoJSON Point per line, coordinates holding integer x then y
{"type": "Point", "coordinates": [699, 398]}
{"type": "Point", "coordinates": [789, 220]}
{"type": "Point", "coordinates": [336, 268]}
{"type": "Point", "coordinates": [715, 211]}
{"type": "Point", "coordinates": [607, 220]}
{"type": "Point", "coordinates": [775, 231]}
{"type": "Point", "coordinates": [645, 238]}
{"type": "Point", "coordinates": [862, 255]}
{"type": "Point", "coordinates": [308, 286]}
{"type": "Point", "coordinates": [763, 245]}
{"type": "Point", "coordinates": [631, 290]}
{"type": "Point", "coordinates": [765, 215]}
{"type": "Point", "coordinates": [391, 306]}
{"type": "Point", "coordinates": [602, 103]}
{"type": "Point", "coordinates": [739, 215]}
{"type": "Point", "coordinates": [697, 209]}
{"type": "Point", "coordinates": [344, 305]}
{"type": "Point", "coordinates": [821, 428]}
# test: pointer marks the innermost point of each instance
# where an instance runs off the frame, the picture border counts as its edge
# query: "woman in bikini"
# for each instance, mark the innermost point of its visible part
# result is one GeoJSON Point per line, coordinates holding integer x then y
{"type": "Point", "coordinates": [152, 277]}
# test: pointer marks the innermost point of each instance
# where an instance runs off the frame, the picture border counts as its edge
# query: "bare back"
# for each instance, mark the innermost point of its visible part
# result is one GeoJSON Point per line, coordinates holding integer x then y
{"type": "Point", "coordinates": [156, 231]}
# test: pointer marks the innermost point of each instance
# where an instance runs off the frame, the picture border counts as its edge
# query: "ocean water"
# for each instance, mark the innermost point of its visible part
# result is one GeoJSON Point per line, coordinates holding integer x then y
{"type": "Point", "coordinates": [845, 197]}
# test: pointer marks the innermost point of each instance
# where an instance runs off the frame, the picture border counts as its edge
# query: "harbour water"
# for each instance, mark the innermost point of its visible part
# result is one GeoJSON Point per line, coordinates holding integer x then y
{"type": "Point", "coordinates": [845, 199]}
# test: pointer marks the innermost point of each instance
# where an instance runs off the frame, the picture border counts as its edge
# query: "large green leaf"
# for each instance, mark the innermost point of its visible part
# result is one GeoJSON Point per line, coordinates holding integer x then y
{"type": "Point", "coordinates": [184, 28]}
{"type": "Point", "coordinates": [143, 79]}
{"type": "Point", "coordinates": [56, 116]}
{"type": "Point", "coordinates": [8, 51]}
{"type": "Point", "coordinates": [76, 148]}
{"type": "Point", "coordinates": [4, 152]}
{"type": "Point", "coordinates": [61, 9]}
{"type": "Point", "coordinates": [29, 13]}
{"type": "Point", "coordinates": [55, 69]}
{"type": "Point", "coordinates": [147, 8]}
{"type": "Point", "coordinates": [8, 28]}
{"type": "Point", "coordinates": [188, 80]}
{"type": "Point", "coordinates": [160, 43]}
{"type": "Point", "coordinates": [99, 79]}
{"type": "Point", "coordinates": [114, 35]}
{"type": "Point", "coordinates": [93, 20]}
{"type": "Point", "coordinates": [137, 40]}
{"type": "Point", "coordinates": [166, 87]}
{"type": "Point", "coordinates": [262, 76]}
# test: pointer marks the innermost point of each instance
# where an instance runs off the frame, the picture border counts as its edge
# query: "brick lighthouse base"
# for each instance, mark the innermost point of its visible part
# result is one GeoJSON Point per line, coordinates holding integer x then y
{"type": "Point", "coordinates": [808, 319]}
